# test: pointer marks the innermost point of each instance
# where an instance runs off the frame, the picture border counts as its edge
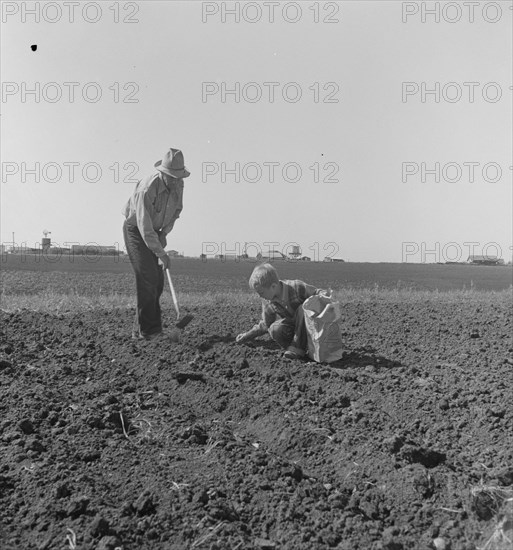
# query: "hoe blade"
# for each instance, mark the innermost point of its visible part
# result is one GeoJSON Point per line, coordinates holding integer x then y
{"type": "Point", "coordinates": [184, 321]}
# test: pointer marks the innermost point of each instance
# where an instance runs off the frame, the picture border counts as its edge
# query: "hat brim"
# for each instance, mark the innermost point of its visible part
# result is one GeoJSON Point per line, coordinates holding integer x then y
{"type": "Point", "coordinates": [179, 174]}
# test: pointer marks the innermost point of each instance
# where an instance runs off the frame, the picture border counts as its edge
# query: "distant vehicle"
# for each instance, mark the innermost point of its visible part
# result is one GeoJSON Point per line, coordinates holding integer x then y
{"type": "Point", "coordinates": [306, 258]}
{"type": "Point", "coordinates": [330, 259]}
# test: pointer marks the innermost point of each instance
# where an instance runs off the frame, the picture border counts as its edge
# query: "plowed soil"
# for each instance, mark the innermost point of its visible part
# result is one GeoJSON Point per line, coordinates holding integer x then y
{"type": "Point", "coordinates": [111, 443]}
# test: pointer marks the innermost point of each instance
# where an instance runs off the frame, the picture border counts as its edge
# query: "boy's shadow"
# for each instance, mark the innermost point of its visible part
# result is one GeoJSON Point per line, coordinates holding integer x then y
{"type": "Point", "coordinates": [357, 358]}
{"type": "Point", "coordinates": [362, 358]}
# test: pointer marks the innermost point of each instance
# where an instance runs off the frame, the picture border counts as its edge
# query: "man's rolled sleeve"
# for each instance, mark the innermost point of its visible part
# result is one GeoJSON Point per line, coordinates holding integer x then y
{"type": "Point", "coordinates": [179, 207]}
{"type": "Point", "coordinates": [142, 204]}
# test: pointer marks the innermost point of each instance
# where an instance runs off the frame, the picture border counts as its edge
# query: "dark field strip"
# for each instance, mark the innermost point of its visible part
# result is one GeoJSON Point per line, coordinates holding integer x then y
{"type": "Point", "coordinates": [216, 275]}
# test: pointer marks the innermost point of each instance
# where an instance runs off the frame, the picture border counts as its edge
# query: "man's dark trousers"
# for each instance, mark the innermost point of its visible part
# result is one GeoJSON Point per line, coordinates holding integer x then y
{"type": "Point", "coordinates": [149, 279]}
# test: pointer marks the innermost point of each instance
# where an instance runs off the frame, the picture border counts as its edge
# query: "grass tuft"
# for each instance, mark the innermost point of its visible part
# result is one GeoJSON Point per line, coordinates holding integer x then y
{"type": "Point", "coordinates": [498, 502]}
{"type": "Point", "coordinates": [502, 534]}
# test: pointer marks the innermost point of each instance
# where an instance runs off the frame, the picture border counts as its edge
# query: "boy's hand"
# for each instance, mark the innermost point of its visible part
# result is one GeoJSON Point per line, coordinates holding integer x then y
{"type": "Point", "coordinates": [241, 338]}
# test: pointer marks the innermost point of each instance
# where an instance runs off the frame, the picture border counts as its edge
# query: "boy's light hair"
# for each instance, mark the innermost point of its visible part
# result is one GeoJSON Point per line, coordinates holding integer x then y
{"type": "Point", "coordinates": [264, 275]}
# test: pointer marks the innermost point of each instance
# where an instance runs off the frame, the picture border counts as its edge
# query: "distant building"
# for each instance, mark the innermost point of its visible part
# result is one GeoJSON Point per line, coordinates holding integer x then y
{"type": "Point", "coordinates": [93, 250]}
{"type": "Point", "coordinates": [59, 250]}
{"type": "Point", "coordinates": [271, 255]}
{"type": "Point", "coordinates": [485, 260]}
{"type": "Point", "coordinates": [296, 253]}
{"type": "Point", "coordinates": [23, 249]}
{"type": "Point", "coordinates": [174, 254]}
{"type": "Point", "coordinates": [224, 257]}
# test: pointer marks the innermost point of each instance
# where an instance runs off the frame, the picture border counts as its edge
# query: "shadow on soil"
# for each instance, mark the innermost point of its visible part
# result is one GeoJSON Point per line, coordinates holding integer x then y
{"type": "Point", "coordinates": [363, 357]}
{"type": "Point", "coordinates": [264, 344]}
{"type": "Point", "coordinates": [209, 342]}
{"type": "Point", "coordinates": [351, 359]}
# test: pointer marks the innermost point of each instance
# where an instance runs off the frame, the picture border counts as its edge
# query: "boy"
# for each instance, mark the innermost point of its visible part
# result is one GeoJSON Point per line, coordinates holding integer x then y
{"type": "Point", "coordinates": [282, 314]}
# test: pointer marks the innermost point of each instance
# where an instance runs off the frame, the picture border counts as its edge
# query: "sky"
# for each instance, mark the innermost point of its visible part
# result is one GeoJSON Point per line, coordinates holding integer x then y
{"type": "Point", "coordinates": [322, 124]}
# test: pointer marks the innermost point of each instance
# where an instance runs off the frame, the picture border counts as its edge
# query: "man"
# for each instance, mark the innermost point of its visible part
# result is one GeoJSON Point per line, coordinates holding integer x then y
{"type": "Point", "coordinates": [150, 215]}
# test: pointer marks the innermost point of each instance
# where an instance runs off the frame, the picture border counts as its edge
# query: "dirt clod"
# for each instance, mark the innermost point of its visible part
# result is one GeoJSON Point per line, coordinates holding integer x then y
{"type": "Point", "coordinates": [182, 377]}
{"type": "Point", "coordinates": [99, 527]}
{"type": "Point", "coordinates": [440, 544]}
{"type": "Point", "coordinates": [77, 506]}
{"type": "Point", "coordinates": [427, 457]}
{"type": "Point", "coordinates": [27, 427]}
{"type": "Point", "coordinates": [108, 543]}
{"type": "Point", "coordinates": [145, 504]}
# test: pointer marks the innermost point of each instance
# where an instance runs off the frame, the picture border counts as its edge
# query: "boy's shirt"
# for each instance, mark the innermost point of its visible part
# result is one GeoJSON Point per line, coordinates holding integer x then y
{"type": "Point", "coordinates": [293, 294]}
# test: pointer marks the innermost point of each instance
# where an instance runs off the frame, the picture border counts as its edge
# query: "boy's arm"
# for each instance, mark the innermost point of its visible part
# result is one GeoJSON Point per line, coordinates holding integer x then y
{"type": "Point", "coordinates": [252, 333]}
{"type": "Point", "coordinates": [306, 291]}
{"type": "Point", "coordinates": [268, 317]}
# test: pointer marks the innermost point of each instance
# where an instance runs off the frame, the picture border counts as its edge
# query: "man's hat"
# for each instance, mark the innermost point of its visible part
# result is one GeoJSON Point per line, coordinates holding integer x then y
{"type": "Point", "coordinates": [172, 164]}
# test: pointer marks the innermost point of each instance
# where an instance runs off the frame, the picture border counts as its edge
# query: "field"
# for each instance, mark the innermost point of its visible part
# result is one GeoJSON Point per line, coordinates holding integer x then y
{"type": "Point", "coordinates": [405, 443]}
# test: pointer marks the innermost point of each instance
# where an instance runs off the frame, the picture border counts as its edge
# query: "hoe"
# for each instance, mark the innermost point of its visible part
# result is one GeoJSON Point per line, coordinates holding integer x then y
{"type": "Point", "coordinates": [186, 319]}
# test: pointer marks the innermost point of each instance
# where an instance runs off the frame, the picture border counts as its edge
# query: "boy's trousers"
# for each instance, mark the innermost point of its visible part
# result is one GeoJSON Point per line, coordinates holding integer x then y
{"type": "Point", "coordinates": [290, 332]}
{"type": "Point", "coordinates": [149, 280]}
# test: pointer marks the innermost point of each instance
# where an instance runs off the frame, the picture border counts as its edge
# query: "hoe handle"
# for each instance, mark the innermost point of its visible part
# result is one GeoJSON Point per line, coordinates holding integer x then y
{"type": "Point", "coordinates": [173, 294]}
